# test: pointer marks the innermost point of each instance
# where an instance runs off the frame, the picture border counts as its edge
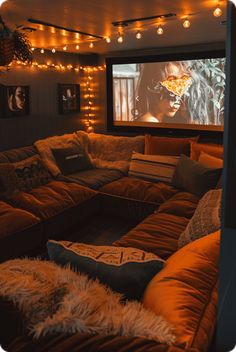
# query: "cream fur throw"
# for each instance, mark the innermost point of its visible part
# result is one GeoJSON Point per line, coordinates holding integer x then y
{"type": "Point", "coordinates": [55, 299]}
{"type": "Point", "coordinates": [44, 148]}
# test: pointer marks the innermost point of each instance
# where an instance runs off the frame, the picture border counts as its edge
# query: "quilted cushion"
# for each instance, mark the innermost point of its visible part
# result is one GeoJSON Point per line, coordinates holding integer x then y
{"type": "Point", "coordinates": [52, 199]}
{"type": "Point", "coordinates": [185, 292]}
{"type": "Point", "coordinates": [158, 234]}
{"type": "Point", "coordinates": [130, 187]}
{"type": "Point", "coordinates": [14, 220]}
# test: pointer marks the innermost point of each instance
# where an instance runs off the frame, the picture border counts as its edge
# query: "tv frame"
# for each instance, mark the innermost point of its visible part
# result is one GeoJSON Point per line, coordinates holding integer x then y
{"type": "Point", "coordinates": [159, 128]}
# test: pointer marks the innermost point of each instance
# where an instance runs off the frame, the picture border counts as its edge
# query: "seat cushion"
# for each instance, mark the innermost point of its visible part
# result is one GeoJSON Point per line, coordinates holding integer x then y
{"type": "Point", "coordinates": [95, 178]}
{"type": "Point", "coordinates": [14, 220]}
{"type": "Point", "coordinates": [52, 199]}
{"type": "Point", "coordinates": [130, 187]}
{"type": "Point", "coordinates": [185, 292]}
{"type": "Point", "coordinates": [158, 234]}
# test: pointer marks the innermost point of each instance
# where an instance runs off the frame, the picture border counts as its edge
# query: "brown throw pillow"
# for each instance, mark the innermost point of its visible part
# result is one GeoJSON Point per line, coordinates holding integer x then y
{"type": "Point", "coordinates": [72, 159]}
{"type": "Point", "coordinates": [168, 145]}
{"type": "Point", "coordinates": [215, 150]}
{"type": "Point", "coordinates": [194, 177]}
{"type": "Point", "coordinates": [8, 180]}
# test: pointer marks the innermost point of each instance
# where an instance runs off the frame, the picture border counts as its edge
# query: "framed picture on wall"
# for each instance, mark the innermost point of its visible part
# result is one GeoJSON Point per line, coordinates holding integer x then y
{"type": "Point", "coordinates": [15, 101]}
{"type": "Point", "coordinates": [68, 98]}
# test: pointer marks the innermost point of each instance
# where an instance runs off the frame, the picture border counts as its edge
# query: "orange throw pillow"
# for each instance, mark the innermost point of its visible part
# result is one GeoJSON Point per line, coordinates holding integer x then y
{"type": "Point", "coordinates": [185, 292]}
{"type": "Point", "coordinates": [210, 161]}
{"type": "Point", "coordinates": [168, 145]}
{"type": "Point", "coordinates": [215, 150]}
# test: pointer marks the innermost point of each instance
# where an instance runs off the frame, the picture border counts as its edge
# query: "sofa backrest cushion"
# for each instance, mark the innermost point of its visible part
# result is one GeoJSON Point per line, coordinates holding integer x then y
{"type": "Point", "coordinates": [210, 161]}
{"type": "Point", "coordinates": [18, 154]}
{"type": "Point", "coordinates": [185, 292]}
{"type": "Point", "coordinates": [215, 150]}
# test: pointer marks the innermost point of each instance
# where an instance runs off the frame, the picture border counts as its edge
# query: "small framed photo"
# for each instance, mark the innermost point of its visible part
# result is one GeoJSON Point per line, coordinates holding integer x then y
{"type": "Point", "coordinates": [68, 98]}
{"type": "Point", "coordinates": [15, 101]}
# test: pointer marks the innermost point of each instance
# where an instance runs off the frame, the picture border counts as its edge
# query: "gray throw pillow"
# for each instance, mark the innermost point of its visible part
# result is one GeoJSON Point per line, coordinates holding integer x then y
{"type": "Point", "coordinates": [206, 219]}
{"type": "Point", "coordinates": [194, 177]}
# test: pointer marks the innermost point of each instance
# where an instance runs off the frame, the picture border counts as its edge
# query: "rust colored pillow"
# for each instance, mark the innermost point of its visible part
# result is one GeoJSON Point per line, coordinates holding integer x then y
{"type": "Point", "coordinates": [210, 161]}
{"type": "Point", "coordinates": [185, 292]}
{"type": "Point", "coordinates": [215, 150]}
{"type": "Point", "coordinates": [168, 145]}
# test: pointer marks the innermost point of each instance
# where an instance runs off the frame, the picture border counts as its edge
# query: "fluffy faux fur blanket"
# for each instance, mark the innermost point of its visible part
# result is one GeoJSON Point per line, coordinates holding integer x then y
{"type": "Point", "coordinates": [54, 299]}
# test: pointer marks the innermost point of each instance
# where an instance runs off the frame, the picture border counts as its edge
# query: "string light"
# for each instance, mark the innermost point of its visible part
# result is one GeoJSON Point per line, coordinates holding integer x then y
{"type": "Point", "coordinates": [186, 23]}
{"type": "Point", "coordinates": [91, 45]}
{"type": "Point", "coordinates": [32, 49]}
{"type": "Point", "coordinates": [108, 40]}
{"type": "Point", "coordinates": [160, 30]}
{"type": "Point", "coordinates": [120, 38]}
{"type": "Point", "coordinates": [53, 50]}
{"type": "Point", "coordinates": [42, 51]}
{"type": "Point", "coordinates": [138, 35]}
{"type": "Point", "coordinates": [77, 47]}
{"type": "Point", "coordinates": [217, 12]}
{"type": "Point", "coordinates": [65, 47]}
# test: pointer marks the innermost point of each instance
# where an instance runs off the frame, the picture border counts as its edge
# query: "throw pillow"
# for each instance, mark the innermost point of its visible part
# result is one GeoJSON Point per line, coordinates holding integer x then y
{"type": "Point", "coordinates": [206, 218]}
{"type": "Point", "coordinates": [210, 161]}
{"type": "Point", "coordinates": [125, 270]}
{"type": "Point", "coordinates": [185, 292]}
{"type": "Point", "coordinates": [168, 145]}
{"type": "Point", "coordinates": [31, 173]}
{"type": "Point", "coordinates": [71, 159]}
{"type": "Point", "coordinates": [8, 180]}
{"type": "Point", "coordinates": [153, 167]}
{"type": "Point", "coordinates": [193, 177]}
{"type": "Point", "coordinates": [215, 150]}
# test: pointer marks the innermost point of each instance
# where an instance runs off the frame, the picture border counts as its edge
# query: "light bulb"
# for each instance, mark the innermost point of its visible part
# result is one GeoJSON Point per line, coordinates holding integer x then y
{"type": "Point", "coordinates": [42, 51]}
{"type": "Point", "coordinates": [234, 2]}
{"type": "Point", "coordinates": [108, 40]}
{"type": "Point", "coordinates": [138, 35]}
{"type": "Point", "coordinates": [160, 30]}
{"type": "Point", "coordinates": [32, 49]}
{"type": "Point", "coordinates": [186, 23]}
{"type": "Point", "coordinates": [65, 47]}
{"type": "Point", "coordinates": [77, 47]}
{"type": "Point", "coordinates": [2, 1]}
{"type": "Point", "coordinates": [91, 45]}
{"type": "Point", "coordinates": [217, 12]}
{"type": "Point", "coordinates": [53, 50]}
{"type": "Point", "coordinates": [120, 39]}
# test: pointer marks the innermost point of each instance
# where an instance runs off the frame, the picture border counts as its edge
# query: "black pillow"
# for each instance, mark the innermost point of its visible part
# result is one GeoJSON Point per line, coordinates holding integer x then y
{"type": "Point", "coordinates": [194, 177]}
{"type": "Point", "coordinates": [125, 270]}
{"type": "Point", "coordinates": [72, 159]}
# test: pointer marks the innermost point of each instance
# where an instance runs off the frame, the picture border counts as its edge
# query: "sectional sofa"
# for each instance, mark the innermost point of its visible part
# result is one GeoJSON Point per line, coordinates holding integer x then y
{"type": "Point", "coordinates": [52, 210]}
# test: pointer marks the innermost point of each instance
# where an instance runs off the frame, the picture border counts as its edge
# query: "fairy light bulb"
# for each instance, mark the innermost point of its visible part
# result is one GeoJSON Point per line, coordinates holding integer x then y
{"type": "Point", "coordinates": [42, 51]}
{"type": "Point", "coordinates": [65, 47]}
{"type": "Point", "coordinates": [186, 23]}
{"type": "Point", "coordinates": [120, 38]}
{"type": "Point", "coordinates": [217, 12]}
{"type": "Point", "coordinates": [91, 45]}
{"type": "Point", "coordinates": [77, 47]}
{"type": "Point", "coordinates": [32, 49]}
{"type": "Point", "coordinates": [160, 30]}
{"type": "Point", "coordinates": [138, 35]}
{"type": "Point", "coordinates": [108, 40]}
{"type": "Point", "coordinates": [53, 50]}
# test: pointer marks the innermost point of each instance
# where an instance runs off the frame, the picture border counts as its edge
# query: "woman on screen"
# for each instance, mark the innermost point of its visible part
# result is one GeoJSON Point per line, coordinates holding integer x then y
{"type": "Point", "coordinates": [172, 93]}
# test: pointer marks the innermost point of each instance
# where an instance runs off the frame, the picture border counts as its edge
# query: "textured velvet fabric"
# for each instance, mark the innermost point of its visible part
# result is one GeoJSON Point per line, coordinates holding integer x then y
{"type": "Point", "coordinates": [130, 187]}
{"type": "Point", "coordinates": [14, 220]}
{"type": "Point", "coordinates": [168, 145]}
{"type": "Point", "coordinates": [185, 292]}
{"type": "Point", "coordinates": [158, 234]}
{"type": "Point", "coordinates": [51, 199]}
{"type": "Point", "coordinates": [95, 178]}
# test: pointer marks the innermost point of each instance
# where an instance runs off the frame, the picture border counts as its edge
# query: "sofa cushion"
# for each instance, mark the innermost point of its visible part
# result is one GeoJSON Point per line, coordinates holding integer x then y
{"type": "Point", "coordinates": [14, 220]}
{"type": "Point", "coordinates": [194, 177]}
{"type": "Point", "coordinates": [95, 178]}
{"type": "Point", "coordinates": [210, 161]}
{"type": "Point", "coordinates": [206, 219]}
{"type": "Point", "coordinates": [185, 292]}
{"type": "Point", "coordinates": [51, 199]}
{"type": "Point", "coordinates": [125, 270]}
{"type": "Point", "coordinates": [18, 154]}
{"type": "Point", "coordinates": [168, 145]}
{"type": "Point", "coordinates": [153, 168]}
{"type": "Point", "coordinates": [130, 187]}
{"type": "Point", "coordinates": [71, 159]}
{"type": "Point", "coordinates": [215, 150]}
{"type": "Point", "coordinates": [158, 234]}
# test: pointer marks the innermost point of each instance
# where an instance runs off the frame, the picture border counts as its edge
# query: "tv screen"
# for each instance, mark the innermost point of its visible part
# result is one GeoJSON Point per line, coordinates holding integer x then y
{"type": "Point", "coordinates": [186, 93]}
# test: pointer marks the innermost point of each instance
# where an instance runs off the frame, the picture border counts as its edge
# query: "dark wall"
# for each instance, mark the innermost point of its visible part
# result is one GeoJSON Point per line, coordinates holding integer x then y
{"type": "Point", "coordinates": [44, 119]}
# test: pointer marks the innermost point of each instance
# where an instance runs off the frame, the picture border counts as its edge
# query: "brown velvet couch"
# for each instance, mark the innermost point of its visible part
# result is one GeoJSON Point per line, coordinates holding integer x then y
{"type": "Point", "coordinates": [29, 219]}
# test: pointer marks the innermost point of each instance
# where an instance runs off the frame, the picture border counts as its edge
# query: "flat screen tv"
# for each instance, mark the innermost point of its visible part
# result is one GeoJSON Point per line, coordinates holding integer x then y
{"type": "Point", "coordinates": [173, 91]}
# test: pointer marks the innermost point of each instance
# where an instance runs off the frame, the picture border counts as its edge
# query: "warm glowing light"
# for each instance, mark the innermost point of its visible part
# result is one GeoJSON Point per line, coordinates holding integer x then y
{"type": "Point", "coordinates": [77, 47]}
{"type": "Point", "coordinates": [217, 12]}
{"type": "Point", "coordinates": [234, 2]}
{"type": "Point", "coordinates": [42, 51]}
{"type": "Point", "coordinates": [108, 40]}
{"type": "Point", "coordinates": [2, 1]}
{"type": "Point", "coordinates": [65, 47]}
{"type": "Point", "coordinates": [120, 39]}
{"type": "Point", "coordinates": [160, 30]}
{"type": "Point", "coordinates": [138, 35]}
{"type": "Point", "coordinates": [186, 23]}
{"type": "Point", "coordinates": [32, 49]}
{"type": "Point", "coordinates": [77, 35]}
{"type": "Point", "coordinates": [91, 45]}
{"type": "Point", "coordinates": [53, 50]}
